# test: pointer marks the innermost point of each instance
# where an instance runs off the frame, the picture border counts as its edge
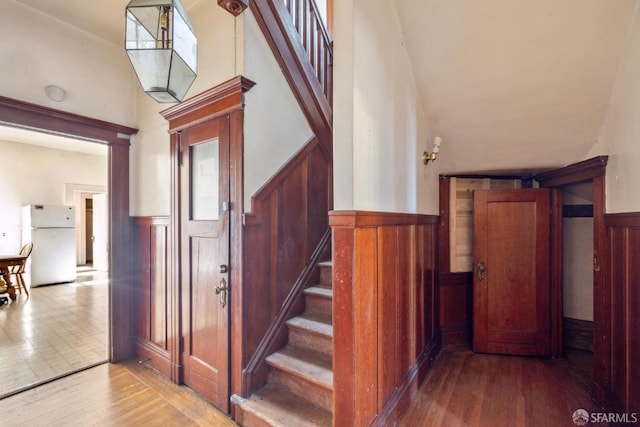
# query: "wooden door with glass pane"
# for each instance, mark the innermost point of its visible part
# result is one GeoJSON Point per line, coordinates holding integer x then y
{"type": "Point", "coordinates": [204, 190]}
{"type": "Point", "coordinates": [511, 284]}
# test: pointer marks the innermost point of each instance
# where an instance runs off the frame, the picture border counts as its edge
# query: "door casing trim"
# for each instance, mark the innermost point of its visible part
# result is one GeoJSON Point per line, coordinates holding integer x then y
{"type": "Point", "coordinates": [117, 137]}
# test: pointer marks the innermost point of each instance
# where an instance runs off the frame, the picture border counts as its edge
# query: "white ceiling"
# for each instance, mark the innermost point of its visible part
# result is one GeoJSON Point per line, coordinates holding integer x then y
{"type": "Point", "coordinates": [514, 85]}
{"type": "Point", "coordinates": [104, 18]}
{"type": "Point", "coordinates": [26, 136]}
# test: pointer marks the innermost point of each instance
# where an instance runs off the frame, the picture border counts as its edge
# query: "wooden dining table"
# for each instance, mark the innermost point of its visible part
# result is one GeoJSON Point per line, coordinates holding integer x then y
{"type": "Point", "coordinates": [6, 262]}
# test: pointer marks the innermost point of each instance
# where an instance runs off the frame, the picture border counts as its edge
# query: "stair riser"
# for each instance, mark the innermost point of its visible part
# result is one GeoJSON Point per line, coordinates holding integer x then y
{"type": "Point", "coordinates": [308, 390]}
{"type": "Point", "coordinates": [249, 419]}
{"type": "Point", "coordinates": [306, 340]}
{"type": "Point", "coordinates": [318, 305]}
{"type": "Point", "coordinates": [325, 275]}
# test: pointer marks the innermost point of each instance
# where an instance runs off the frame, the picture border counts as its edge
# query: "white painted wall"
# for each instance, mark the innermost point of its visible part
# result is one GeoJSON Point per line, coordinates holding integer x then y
{"type": "Point", "coordinates": [275, 127]}
{"type": "Point", "coordinates": [621, 131]}
{"type": "Point", "coordinates": [380, 129]}
{"type": "Point", "coordinates": [578, 268]}
{"type": "Point", "coordinates": [31, 174]}
{"type": "Point", "coordinates": [150, 178]}
{"type": "Point", "coordinates": [38, 51]}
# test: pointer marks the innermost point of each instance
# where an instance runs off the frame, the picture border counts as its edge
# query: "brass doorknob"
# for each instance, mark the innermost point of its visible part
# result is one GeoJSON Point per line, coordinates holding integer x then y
{"type": "Point", "coordinates": [221, 290]}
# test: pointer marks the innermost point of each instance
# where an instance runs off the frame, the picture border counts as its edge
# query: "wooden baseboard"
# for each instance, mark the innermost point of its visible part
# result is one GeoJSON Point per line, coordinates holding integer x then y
{"type": "Point", "coordinates": [154, 356]}
{"type": "Point", "coordinates": [400, 399]}
{"type": "Point", "coordinates": [577, 334]}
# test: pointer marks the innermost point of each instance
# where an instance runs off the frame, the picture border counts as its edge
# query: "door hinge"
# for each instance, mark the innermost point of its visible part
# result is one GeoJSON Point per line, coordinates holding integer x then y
{"type": "Point", "coordinates": [226, 206]}
{"type": "Point", "coordinates": [179, 156]}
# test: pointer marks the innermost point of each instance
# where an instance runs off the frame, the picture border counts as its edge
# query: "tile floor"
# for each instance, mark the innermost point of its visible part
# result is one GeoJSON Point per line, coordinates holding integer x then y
{"type": "Point", "coordinates": [58, 329]}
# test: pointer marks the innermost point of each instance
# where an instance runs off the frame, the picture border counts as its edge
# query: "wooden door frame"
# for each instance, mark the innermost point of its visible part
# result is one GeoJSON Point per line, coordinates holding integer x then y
{"type": "Point", "coordinates": [47, 120]}
{"type": "Point", "coordinates": [226, 99]}
{"type": "Point", "coordinates": [589, 170]}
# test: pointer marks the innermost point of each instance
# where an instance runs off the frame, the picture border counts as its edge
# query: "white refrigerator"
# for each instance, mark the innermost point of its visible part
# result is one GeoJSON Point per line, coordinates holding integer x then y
{"type": "Point", "coordinates": [51, 229]}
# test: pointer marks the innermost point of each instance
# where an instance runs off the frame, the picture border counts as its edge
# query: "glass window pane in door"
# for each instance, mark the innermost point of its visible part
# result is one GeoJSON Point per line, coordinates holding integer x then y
{"type": "Point", "coordinates": [205, 162]}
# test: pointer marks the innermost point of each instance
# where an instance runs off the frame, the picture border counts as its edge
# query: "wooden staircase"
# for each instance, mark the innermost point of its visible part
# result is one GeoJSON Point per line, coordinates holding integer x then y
{"type": "Point", "coordinates": [299, 388]}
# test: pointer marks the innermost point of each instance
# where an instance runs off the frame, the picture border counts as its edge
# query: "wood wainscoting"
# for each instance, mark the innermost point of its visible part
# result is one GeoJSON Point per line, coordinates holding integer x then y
{"type": "Point", "coordinates": [151, 243]}
{"type": "Point", "coordinates": [621, 302]}
{"type": "Point", "coordinates": [385, 312]}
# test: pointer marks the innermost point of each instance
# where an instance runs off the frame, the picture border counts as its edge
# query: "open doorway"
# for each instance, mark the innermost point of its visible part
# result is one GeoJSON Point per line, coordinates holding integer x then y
{"type": "Point", "coordinates": [22, 115]}
{"type": "Point", "coordinates": [58, 324]}
{"type": "Point", "coordinates": [577, 289]}
{"type": "Point", "coordinates": [92, 224]}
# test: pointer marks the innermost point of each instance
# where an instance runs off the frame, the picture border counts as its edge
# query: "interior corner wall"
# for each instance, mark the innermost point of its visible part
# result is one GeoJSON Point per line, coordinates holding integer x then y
{"type": "Point", "coordinates": [32, 174]}
{"type": "Point", "coordinates": [380, 128]}
{"type": "Point", "coordinates": [150, 177]}
{"type": "Point", "coordinates": [621, 131]}
{"type": "Point", "coordinates": [38, 51]}
{"type": "Point", "coordinates": [275, 127]}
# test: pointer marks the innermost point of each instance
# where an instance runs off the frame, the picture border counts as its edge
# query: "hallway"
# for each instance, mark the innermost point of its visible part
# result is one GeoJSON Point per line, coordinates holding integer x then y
{"type": "Point", "coordinates": [462, 389]}
{"type": "Point", "coordinates": [471, 389]}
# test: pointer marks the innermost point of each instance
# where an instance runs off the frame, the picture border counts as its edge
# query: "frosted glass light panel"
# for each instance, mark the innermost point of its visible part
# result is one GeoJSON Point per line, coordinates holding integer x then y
{"type": "Point", "coordinates": [205, 166]}
{"type": "Point", "coordinates": [162, 48]}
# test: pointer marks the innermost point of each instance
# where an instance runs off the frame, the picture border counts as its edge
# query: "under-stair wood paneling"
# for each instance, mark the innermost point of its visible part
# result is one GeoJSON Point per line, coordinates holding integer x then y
{"type": "Point", "coordinates": [288, 220]}
{"type": "Point", "coordinates": [622, 311]}
{"type": "Point", "coordinates": [150, 236]}
{"type": "Point", "coordinates": [385, 313]}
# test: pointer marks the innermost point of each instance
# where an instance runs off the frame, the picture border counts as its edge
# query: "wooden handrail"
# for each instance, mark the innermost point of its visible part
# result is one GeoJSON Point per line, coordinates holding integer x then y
{"type": "Point", "coordinates": [314, 36]}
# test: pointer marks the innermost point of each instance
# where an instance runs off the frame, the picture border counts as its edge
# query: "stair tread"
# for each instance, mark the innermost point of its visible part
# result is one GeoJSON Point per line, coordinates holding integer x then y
{"type": "Point", "coordinates": [281, 408]}
{"type": "Point", "coordinates": [320, 291]}
{"type": "Point", "coordinates": [314, 367]}
{"type": "Point", "coordinates": [317, 324]}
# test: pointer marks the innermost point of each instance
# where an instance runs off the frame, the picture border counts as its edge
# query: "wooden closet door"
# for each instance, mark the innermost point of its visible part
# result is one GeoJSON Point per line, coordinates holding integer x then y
{"type": "Point", "coordinates": [511, 272]}
{"type": "Point", "coordinates": [204, 258]}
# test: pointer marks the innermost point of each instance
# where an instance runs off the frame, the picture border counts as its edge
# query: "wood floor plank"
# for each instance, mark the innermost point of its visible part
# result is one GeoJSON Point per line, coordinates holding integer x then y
{"type": "Point", "coordinates": [110, 395]}
{"type": "Point", "coordinates": [469, 389]}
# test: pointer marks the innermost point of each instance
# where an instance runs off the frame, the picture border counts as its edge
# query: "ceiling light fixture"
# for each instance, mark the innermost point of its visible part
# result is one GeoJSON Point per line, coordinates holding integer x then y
{"type": "Point", "coordinates": [434, 152]}
{"type": "Point", "coordinates": [162, 47]}
{"type": "Point", "coordinates": [55, 93]}
{"type": "Point", "coordinates": [234, 7]}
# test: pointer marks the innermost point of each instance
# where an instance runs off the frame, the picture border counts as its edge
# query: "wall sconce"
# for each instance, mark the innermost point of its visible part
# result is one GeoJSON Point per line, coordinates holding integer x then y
{"type": "Point", "coordinates": [162, 48]}
{"type": "Point", "coordinates": [434, 152]}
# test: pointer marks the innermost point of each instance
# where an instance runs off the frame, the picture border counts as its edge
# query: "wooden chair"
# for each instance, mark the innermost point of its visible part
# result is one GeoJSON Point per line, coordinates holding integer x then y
{"type": "Point", "coordinates": [19, 269]}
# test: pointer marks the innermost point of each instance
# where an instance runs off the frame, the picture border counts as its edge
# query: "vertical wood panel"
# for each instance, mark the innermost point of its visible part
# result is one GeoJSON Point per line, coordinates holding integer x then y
{"type": "Point", "coordinates": [622, 308]}
{"type": "Point", "coordinates": [343, 336]}
{"type": "Point", "coordinates": [387, 305]}
{"type": "Point", "coordinates": [366, 312]}
{"type": "Point", "coordinates": [158, 285]}
{"type": "Point", "coordinates": [385, 313]}
{"type": "Point", "coordinates": [152, 253]}
{"type": "Point", "coordinates": [633, 321]}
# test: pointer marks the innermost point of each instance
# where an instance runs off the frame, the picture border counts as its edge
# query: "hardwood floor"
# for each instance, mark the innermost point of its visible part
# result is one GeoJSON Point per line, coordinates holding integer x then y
{"type": "Point", "coordinates": [110, 395]}
{"type": "Point", "coordinates": [469, 389]}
